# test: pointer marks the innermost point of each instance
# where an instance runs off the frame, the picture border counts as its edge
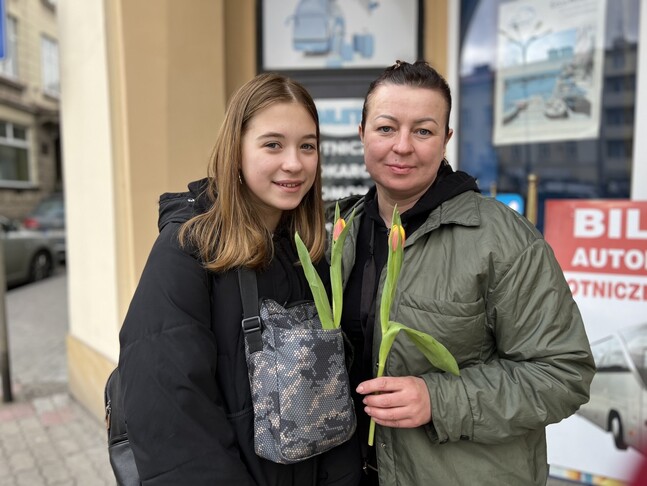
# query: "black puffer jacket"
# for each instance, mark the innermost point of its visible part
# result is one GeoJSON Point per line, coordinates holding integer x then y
{"type": "Point", "coordinates": [184, 378]}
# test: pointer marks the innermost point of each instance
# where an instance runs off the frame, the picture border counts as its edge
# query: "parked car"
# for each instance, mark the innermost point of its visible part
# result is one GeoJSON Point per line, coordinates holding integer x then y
{"type": "Point", "coordinates": [618, 401]}
{"type": "Point", "coordinates": [28, 255]}
{"type": "Point", "coordinates": [48, 217]}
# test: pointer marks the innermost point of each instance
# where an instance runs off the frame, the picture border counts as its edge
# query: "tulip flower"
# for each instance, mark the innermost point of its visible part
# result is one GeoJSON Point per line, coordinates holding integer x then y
{"type": "Point", "coordinates": [330, 318]}
{"type": "Point", "coordinates": [435, 352]}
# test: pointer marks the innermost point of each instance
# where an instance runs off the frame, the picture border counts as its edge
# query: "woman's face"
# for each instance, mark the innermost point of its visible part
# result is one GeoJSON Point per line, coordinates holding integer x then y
{"type": "Point", "coordinates": [280, 159]}
{"type": "Point", "coordinates": [404, 140]}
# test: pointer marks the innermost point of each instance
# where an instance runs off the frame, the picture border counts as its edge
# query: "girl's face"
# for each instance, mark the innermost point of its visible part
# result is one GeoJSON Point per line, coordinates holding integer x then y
{"type": "Point", "coordinates": [404, 140]}
{"type": "Point", "coordinates": [280, 159]}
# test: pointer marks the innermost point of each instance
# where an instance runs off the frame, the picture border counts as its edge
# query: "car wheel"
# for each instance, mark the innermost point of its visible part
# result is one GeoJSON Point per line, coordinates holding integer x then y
{"type": "Point", "coordinates": [616, 429]}
{"type": "Point", "coordinates": [41, 266]}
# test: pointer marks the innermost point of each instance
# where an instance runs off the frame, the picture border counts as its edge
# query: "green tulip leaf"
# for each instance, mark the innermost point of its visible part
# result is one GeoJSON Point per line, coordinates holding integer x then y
{"type": "Point", "coordinates": [336, 270]}
{"type": "Point", "coordinates": [316, 285]}
{"type": "Point", "coordinates": [436, 353]}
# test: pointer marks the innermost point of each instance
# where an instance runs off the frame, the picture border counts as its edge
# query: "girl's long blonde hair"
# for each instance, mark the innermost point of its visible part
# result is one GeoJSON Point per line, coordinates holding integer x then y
{"type": "Point", "coordinates": [231, 232]}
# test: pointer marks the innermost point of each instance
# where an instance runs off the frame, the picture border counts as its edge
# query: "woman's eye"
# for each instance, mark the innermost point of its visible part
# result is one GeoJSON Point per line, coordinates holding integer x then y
{"type": "Point", "coordinates": [308, 146]}
{"type": "Point", "coordinates": [272, 145]}
{"type": "Point", "coordinates": [424, 131]}
{"type": "Point", "coordinates": [384, 129]}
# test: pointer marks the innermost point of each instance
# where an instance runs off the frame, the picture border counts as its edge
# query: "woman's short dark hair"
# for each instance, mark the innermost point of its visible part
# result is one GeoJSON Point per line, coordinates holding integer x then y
{"type": "Point", "coordinates": [417, 75]}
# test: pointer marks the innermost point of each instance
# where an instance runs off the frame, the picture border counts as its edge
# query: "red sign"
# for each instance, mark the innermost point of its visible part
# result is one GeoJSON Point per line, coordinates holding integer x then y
{"type": "Point", "coordinates": [607, 236]}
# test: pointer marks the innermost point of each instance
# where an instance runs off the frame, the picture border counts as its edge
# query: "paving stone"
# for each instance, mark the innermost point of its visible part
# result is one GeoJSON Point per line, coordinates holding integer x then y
{"type": "Point", "coordinates": [55, 472]}
{"type": "Point", "coordinates": [52, 441]}
{"type": "Point", "coordinates": [21, 461]}
{"type": "Point", "coordinates": [30, 478]}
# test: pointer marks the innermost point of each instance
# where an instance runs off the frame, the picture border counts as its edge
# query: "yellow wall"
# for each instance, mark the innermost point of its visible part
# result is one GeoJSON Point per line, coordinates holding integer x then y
{"type": "Point", "coordinates": [145, 84]}
{"type": "Point", "coordinates": [88, 166]}
{"type": "Point", "coordinates": [167, 101]}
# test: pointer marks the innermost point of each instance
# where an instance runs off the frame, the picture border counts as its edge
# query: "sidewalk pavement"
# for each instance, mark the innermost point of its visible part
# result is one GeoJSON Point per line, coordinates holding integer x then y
{"type": "Point", "coordinates": [52, 440]}
{"type": "Point", "coordinates": [46, 437]}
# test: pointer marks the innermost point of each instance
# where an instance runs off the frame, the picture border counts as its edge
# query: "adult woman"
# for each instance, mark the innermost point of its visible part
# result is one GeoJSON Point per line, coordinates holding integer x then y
{"type": "Point", "coordinates": [184, 377]}
{"type": "Point", "coordinates": [476, 276]}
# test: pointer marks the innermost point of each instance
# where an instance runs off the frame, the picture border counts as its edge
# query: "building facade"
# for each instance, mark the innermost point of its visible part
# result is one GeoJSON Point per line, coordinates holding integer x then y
{"type": "Point", "coordinates": [30, 155]}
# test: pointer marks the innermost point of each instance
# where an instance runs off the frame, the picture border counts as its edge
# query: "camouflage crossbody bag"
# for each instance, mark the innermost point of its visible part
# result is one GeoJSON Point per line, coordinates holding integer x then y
{"type": "Point", "coordinates": [298, 378]}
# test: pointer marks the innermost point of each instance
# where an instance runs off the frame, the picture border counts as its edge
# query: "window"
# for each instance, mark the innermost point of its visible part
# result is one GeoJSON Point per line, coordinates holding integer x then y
{"type": "Point", "coordinates": [14, 153]}
{"type": "Point", "coordinates": [49, 64]}
{"type": "Point", "coordinates": [548, 85]}
{"type": "Point", "coordinates": [618, 148]}
{"type": "Point", "coordinates": [9, 65]}
{"type": "Point", "coordinates": [618, 59]}
{"type": "Point", "coordinates": [619, 116]}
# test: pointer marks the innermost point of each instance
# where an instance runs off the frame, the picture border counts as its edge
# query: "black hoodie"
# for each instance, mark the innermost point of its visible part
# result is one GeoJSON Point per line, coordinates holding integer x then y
{"type": "Point", "coordinates": [183, 373]}
{"type": "Point", "coordinates": [370, 257]}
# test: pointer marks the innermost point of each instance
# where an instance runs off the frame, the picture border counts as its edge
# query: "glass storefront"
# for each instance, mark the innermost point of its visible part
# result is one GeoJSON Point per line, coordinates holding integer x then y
{"type": "Point", "coordinates": [548, 87]}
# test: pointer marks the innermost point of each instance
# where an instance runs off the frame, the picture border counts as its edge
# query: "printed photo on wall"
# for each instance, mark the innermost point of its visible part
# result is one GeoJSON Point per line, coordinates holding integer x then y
{"type": "Point", "coordinates": [331, 34]}
{"type": "Point", "coordinates": [549, 71]}
{"type": "Point", "coordinates": [601, 246]}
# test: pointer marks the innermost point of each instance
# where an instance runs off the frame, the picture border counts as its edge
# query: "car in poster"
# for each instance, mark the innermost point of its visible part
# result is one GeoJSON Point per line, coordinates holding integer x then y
{"type": "Point", "coordinates": [618, 402]}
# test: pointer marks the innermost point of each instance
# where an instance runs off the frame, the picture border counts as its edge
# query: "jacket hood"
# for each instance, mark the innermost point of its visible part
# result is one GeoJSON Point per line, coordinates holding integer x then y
{"type": "Point", "coordinates": [448, 184]}
{"type": "Point", "coordinates": [179, 207]}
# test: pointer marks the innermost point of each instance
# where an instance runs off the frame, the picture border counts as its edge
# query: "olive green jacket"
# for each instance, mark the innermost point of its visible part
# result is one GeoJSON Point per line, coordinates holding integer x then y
{"type": "Point", "coordinates": [482, 280]}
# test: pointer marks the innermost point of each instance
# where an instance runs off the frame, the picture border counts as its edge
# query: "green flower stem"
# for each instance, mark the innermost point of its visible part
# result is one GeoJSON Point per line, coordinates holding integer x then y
{"type": "Point", "coordinates": [385, 346]}
{"type": "Point", "coordinates": [434, 351]}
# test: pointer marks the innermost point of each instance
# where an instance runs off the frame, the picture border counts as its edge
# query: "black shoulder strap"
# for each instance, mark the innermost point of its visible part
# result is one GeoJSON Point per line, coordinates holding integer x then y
{"type": "Point", "coordinates": [249, 297]}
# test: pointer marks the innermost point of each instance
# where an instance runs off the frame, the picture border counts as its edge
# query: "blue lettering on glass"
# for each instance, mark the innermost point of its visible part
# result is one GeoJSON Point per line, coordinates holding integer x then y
{"type": "Point", "coordinates": [341, 116]}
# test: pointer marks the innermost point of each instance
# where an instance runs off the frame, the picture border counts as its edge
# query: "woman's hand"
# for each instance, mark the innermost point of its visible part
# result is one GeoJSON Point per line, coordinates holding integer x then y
{"type": "Point", "coordinates": [397, 401]}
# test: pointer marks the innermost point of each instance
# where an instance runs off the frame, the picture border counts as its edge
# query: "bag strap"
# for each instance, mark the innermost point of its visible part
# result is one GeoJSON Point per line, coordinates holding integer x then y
{"type": "Point", "coordinates": [249, 297]}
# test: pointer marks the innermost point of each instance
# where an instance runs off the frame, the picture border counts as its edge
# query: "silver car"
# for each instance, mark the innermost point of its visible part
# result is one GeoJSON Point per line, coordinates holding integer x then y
{"type": "Point", "coordinates": [28, 255]}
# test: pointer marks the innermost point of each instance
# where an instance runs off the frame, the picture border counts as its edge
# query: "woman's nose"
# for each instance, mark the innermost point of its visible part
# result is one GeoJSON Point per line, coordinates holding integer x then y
{"type": "Point", "coordinates": [403, 143]}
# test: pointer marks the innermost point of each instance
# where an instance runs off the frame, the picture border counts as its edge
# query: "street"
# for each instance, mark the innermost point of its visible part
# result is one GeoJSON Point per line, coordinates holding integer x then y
{"type": "Point", "coordinates": [37, 326]}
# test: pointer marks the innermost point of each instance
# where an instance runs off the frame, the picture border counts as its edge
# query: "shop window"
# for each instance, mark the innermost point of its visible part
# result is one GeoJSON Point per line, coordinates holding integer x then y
{"type": "Point", "coordinates": [9, 65]}
{"type": "Point", "coordinates": [544, 82]}
{"type": "Point", "coordinates": [14, 154]}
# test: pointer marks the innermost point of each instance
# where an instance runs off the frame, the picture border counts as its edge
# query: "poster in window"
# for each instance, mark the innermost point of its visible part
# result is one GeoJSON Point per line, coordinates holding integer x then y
{"type": "Point", "coordinates": [333, 34]}
{"type": "Point", "coordinates": [601, 245]}
{"type": "Point", "coordinates": [549, 70]}
{"type": "Point", "coordinates": [342, 152]}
